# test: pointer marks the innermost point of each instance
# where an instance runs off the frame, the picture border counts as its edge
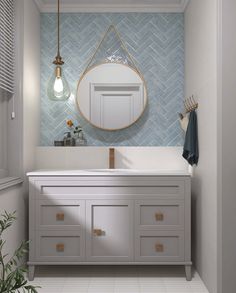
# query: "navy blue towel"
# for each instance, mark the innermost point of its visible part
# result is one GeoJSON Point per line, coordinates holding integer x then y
{"type": "Point", "coordinates": [190, 152]}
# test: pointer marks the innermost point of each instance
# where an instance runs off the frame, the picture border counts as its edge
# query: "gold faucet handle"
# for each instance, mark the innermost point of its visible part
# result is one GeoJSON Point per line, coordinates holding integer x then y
{"type": "Point", "coordinates": [111, 158]}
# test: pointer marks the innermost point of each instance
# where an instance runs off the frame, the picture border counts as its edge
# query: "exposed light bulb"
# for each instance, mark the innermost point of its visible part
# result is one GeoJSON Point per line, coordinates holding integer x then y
{"type": "Point", "coordinates": [58, 87]}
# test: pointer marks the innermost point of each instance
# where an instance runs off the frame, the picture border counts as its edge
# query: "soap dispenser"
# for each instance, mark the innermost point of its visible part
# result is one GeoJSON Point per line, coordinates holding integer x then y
{"type": "Point", "coordinates": [68, 139]}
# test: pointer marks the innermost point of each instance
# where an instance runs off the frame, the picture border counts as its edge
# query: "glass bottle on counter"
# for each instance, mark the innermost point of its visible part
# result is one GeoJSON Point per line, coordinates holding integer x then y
{"type": "Point", "coordinates": [68, 139]}
{"type": "Point", "coordinates": [80, 140]}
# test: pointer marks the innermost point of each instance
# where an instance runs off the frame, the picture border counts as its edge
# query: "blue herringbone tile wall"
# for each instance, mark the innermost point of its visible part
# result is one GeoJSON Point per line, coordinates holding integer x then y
{"type": "Point", "coordinates": [156, 41]}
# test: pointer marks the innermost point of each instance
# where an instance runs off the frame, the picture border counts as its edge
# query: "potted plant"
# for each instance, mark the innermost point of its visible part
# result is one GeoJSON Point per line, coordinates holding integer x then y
{"type": "Point", "coordinates": [12, 272]}
{"type": "Point", "coordinates": [76, 133]}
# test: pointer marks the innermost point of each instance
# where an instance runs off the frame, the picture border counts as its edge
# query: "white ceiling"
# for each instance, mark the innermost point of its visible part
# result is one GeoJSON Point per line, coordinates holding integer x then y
{"type": "Point", "coordinates": [113, 5]}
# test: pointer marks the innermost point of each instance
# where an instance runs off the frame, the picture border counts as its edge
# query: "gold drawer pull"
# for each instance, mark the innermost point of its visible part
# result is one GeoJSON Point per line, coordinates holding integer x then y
{"type": "Point", "coordinates": [159, 217]}
{"type": "Point", "coordinates": [97, 232]}
{"type": "Point", "coordinates": [60, 247]}
{"type": "Point", "coordinates": [60, 216]}
{"type": "Point", "coordinates": [159, 247]}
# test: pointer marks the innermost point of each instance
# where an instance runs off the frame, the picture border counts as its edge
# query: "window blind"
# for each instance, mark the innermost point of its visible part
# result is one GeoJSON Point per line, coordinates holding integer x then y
{"type": "Point", "coordinates": [7, 45]}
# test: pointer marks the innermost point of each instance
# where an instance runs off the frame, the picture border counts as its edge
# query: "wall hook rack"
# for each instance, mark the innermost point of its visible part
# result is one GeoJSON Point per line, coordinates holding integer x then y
{"type": "Point", "coordinates": [190, 105]}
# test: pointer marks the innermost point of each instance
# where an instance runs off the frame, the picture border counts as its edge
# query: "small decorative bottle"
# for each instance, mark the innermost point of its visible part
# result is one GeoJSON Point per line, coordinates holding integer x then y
{"type": "Point", "coordinates": [68, 139]}
{"type": "Point", "coordinates": [80, 139]}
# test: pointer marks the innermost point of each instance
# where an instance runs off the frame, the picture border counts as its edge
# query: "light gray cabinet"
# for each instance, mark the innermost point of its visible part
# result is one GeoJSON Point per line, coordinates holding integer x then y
{"type": "Point", "coordinates": [110, 230]}
{"type": "Point", "coordinates": [90, 219]}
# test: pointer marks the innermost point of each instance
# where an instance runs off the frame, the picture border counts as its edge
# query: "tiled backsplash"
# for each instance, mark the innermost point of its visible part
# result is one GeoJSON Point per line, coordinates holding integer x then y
{"type": "Point", "coordinates": [156, 41]}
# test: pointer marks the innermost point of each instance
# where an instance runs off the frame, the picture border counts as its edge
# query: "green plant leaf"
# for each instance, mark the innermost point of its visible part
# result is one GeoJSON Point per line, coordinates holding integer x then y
{"type": "Point", "coordinates": [12, 274]}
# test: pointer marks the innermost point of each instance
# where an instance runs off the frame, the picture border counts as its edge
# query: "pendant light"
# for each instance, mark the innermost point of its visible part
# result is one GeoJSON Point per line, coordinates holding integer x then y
{"type": "Point", "coordinates": [58, 88]}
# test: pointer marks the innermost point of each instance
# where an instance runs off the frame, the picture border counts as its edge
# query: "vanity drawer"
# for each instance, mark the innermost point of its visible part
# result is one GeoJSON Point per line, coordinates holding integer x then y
{"type": "Point", "coordinates": [60, 214]}
{"type": "Point", "coordinates": [159, 214]}
{"type": "Point", "coordinates": [59, 246]}
{"type": "Point", "coordinates": [111, 189]}
{"type": "Point", "coordinates": [163, 246]}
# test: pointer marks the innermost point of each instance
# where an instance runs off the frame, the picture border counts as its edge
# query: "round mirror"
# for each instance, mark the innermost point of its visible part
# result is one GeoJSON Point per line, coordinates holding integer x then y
{"type": "Point", "coordinates": [111, 96]}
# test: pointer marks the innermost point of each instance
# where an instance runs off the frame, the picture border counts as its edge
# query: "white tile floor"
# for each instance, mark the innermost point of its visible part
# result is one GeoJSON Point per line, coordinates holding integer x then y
{"type": "Point", "coordinates": [116, 279]}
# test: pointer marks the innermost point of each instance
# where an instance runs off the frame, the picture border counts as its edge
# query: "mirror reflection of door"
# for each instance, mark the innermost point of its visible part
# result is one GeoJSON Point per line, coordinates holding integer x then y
{"type": "Point", "coordinates": [111, 102]}
{"type": "Point", "coordinates": [112, 96]}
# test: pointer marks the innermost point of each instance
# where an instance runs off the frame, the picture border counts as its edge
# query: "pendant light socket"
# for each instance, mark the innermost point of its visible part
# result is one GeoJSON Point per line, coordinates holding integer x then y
{"type": "Point", "coordinates": [58, 71]}
{"type": "Point", "coordinates": [58, 60]}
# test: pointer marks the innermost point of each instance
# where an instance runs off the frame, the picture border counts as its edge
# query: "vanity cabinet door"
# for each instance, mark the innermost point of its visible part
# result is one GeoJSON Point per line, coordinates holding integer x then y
{"type": "Point", "coordinates": [109, 230]}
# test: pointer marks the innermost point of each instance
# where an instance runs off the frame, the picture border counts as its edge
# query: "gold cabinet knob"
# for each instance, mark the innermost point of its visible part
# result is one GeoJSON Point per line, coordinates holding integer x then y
{"type": "Point", "coordinates": [60, 247]}
{"type": "Point", "coordinates": [159, 216]}
{"type": "Point", "coordinates": [60, 216]}
{"type": "Point", "coordinates": [159, 247]}
{"type": "Point", "coordinates": [97, 232]}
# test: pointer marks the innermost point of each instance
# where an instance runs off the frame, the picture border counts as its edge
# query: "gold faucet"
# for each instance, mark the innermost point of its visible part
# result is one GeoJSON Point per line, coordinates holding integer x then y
{"type": "Point", "coordinates": [111, 158]}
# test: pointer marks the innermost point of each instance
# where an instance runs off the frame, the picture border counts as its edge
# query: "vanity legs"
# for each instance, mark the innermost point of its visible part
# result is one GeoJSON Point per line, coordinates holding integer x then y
{"type": "Point", "coordinates": [31, 270]}
{"type": "Point", "coordinates": [188, 272]}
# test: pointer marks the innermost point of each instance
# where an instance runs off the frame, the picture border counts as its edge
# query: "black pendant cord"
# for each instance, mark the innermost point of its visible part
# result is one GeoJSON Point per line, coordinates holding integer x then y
{"type": "Point", "coordinates": [58, 60]}
{"type": "Point", "coordinates": [58, 27]}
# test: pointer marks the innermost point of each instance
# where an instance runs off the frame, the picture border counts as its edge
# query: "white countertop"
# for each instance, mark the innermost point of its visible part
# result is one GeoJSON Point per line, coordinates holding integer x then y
{"type": "Point", "coordinates": [108, 172]}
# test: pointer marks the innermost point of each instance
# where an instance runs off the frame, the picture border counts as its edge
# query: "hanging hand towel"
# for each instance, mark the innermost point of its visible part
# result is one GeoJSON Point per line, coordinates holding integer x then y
{"type": "Point", "coordinates": [190, 152]}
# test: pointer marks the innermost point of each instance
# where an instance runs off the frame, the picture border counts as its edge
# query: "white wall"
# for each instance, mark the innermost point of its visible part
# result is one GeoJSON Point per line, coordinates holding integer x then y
{"type": "Point", "coordinates": [201, 80]}
{"type": "Point", "coordinates": [228, 155]}
{"type": "Point", "coordinates": [31, 83]}
{"type": "Point", "coordinates": [11, 200]}
{"type": "Point", "coordinates": [159, 158]}
{"type": "Point", "coordinates": [27, 119]}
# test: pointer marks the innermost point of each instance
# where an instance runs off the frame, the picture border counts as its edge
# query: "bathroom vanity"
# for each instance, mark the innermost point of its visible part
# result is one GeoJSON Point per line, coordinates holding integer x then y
{"type": "Point", "coordinates": [126, 217]}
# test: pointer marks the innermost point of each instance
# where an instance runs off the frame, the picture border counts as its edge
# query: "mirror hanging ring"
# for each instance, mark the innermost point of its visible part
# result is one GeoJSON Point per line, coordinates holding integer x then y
{"type": "Point", "coordinates": [122, 45]}
{"type": "Point", "coordinates": [115, 88]}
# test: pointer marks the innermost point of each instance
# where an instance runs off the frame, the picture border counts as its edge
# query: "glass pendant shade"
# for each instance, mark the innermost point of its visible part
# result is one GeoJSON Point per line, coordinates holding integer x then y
{"type": "Point", "coordinates": [58, 87]}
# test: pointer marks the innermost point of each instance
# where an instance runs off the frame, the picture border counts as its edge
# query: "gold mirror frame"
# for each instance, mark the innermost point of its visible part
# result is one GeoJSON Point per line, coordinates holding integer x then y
{"type": "Point", "coordinates": [120, 63]}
